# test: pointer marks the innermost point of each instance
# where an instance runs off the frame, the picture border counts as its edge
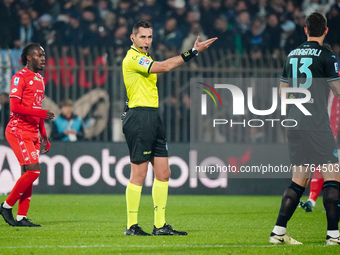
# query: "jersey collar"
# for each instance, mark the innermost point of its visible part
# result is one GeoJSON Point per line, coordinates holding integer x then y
{"type": "Point", "coordinates": [28, 70]}
{"type": "Point", "coordinates": [135, 49]}
{"type": "Point", "coordinates": [313, 42]}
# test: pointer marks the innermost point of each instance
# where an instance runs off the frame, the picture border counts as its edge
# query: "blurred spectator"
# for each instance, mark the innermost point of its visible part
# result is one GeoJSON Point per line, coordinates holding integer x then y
{"type": "Point", "coordinates": [24, 33]}
{"type": "Point", "coordinates": [292, 35]}
{"type": "Point", "coordinates": [195, 30]}
{"type": "Point", "coordinates": [336, 50]}
{"type": "Point", "coordinates": [156, 10]}
{"type": "Point", "coordinates": [254, 41]}
{"type": "Point", "coordinates": [4, 113]}
{"type": "Point", "coordinates": [103, 8]}
{"type": "Point", "coordinates": [89, 26]}
{"type": "Point", "coordinates": [192, 17]}
{"type": "Point", "coordinates": [51, 7]}
{"type": "Point", "coordinates": [226, 36]}
{"type": "Point", "coordinates": [123, 22]}
{"type": "Point", "coordinates": [263, 9]}
{"type": "Point", "coordinates": [278, 7]}
{"type": "Point", "coordinates": [180, 14]}
{"type": "Point", "coordinates": [194, 5]}
{"type": "Point", "coordinates": [110, 21]}
{"type": "Point", "coordinates": [169, 36]}
{"type": "Point", "coordinates": [68, 126]}
{"type": "Point", "coordinates": [253, 7]}
{"type": "Point", "coordinates": [89, 23]}
{"type": "Point", "coordinates": [272, 34]}
{"type": "Point", "coordinates": [241, 6]}
{"type": "Point", "coordinates": [8, 21]}
{"type": "Point", "coordinates": [120, 41]}
{"type": "Point", "coordinates": [243, 22]}
{"type": "Point", "coordinates": [72, 34]}
{"type": "Point", "coordinates": [84, 4]}
{"type": "Point", "coordinates": [310, 6]}
{"type": "Point", "coordinates": [228, 10]}
{"type": "Point", "coordinates": [72, 5]}
{"type": "Point", "coordinates": [107, 29]}
{"type": "Point", "coordinates": [291, 10]}
{"type": "Point", "coordinates": [333, 22]}
{"type": "Point", "coordinates": [45, 32]}
{"type": "Point", "coordinates": [146, 14]}
{"type": "Point", "coordinates": [207, 15]}
{"type": "Point", "coordinates": [125, 10]}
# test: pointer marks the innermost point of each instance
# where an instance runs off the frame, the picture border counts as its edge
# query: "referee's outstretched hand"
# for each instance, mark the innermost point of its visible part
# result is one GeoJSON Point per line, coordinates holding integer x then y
{"type": "Point", "coordinates": [202, 46]}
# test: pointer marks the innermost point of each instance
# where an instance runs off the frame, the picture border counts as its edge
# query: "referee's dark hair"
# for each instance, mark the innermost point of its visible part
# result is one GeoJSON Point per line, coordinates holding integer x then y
{"type": "Point", "coordinates": [316, 24]}
{"type": "Point", "coordinates": [27, 51]}
{"type": "Point", "coordinates": [141, 23]}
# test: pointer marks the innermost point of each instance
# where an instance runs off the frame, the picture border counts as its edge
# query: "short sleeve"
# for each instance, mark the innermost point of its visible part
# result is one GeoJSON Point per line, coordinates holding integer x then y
{"type": "Point", "coordinates": [140, 63]}
{"type": "Point", "coordinates": [331, 68]}
{"type": "Point", "coordinates": [17, 87]}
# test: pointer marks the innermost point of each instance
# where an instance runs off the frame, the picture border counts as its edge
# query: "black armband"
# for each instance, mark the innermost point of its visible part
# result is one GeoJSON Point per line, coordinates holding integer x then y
{"type": "Point", "coordinates": [189, 54]}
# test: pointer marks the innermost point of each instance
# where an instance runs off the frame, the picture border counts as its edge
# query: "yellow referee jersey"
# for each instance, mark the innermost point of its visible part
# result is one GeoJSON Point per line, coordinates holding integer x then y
{"type": "Point", "coordinates": [139, 82]}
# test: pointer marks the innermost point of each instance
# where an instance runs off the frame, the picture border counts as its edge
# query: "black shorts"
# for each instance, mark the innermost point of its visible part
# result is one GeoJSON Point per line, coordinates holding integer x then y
{"type": "Point", "coordinates": [144, 134]}
{"type": "Point", "coordinates": [311, 147]}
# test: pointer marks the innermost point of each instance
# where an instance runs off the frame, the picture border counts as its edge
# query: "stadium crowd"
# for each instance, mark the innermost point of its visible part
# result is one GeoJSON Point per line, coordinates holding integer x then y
{"type": "Point", "coordinates": [251, 25]}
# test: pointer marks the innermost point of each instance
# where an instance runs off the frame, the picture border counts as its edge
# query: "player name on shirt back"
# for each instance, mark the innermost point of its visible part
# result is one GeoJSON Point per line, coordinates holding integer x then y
{"type": "Point", "coordinates": [305, 52]}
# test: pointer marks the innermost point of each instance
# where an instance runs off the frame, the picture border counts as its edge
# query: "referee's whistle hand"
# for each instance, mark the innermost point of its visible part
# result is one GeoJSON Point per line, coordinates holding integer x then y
{"type": "Point", "coordinates": [202, 46]}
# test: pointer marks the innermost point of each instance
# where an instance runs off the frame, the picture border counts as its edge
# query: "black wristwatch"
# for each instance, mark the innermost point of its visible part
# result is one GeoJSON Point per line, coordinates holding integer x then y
{"type": "Point", "coordinates": [194, 51]}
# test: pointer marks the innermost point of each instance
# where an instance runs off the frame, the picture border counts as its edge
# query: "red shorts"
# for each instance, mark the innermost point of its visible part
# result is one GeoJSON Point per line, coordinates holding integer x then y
{"type": "Point", "coordinates": [26, 147]}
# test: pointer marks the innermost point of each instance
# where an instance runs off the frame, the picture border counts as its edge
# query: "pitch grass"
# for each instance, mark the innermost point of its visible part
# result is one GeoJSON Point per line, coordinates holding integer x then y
{"type": "Point", "coordinates": [94, 224]}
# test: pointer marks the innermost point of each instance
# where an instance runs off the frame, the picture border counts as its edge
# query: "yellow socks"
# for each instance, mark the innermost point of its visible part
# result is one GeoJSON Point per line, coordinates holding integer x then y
{"type": "Point", "coordinates": [133, 193]}
{"type": "Point", "coordinates": [160, 196]}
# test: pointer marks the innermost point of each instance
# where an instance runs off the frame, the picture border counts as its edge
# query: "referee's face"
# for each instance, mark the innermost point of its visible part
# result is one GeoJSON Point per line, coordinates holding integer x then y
{"type": "Point", "coordinates": [143, 39]}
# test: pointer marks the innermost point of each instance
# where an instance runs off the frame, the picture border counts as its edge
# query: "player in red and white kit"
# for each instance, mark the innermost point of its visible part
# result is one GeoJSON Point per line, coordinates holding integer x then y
{"type": "Point", "coordinates": [317, 181]}
{"type": "Point", "coordinates": [22, 132]}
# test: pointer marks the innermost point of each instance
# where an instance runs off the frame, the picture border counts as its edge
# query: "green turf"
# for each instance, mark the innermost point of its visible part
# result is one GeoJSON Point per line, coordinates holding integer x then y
{"type": "Point", "coordinates": [94, 224]}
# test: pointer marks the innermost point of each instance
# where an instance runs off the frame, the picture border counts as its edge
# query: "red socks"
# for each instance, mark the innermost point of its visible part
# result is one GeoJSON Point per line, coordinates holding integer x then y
{"type": "Point", "coordinates": [23, 191]}
{"type": "Point", "coordinates": [24, 201]}
{"type": "Point", "coordinates": [316, 185]}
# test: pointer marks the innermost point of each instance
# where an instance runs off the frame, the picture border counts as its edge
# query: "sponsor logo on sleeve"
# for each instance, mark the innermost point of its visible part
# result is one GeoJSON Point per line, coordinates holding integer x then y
{"type": "Point", "coordinates": [336, 67]}
{"type": "Point", "coordinates": [14, 90]}
{"type": "Point", "coordinates": [144, 62]}
{"type": "Point", "coordinates": [16, 81]}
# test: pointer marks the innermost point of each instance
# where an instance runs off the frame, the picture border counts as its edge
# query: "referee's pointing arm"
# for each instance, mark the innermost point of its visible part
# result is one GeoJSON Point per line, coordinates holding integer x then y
{"type": "Point", "coordinates": [172, 63]}
{"type": "Point", "coordinates": [143, 40]}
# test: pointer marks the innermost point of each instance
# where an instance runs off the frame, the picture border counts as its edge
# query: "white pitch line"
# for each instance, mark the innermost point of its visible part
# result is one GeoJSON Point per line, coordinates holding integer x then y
{"type": "Point", "coordinates": [156, 246]}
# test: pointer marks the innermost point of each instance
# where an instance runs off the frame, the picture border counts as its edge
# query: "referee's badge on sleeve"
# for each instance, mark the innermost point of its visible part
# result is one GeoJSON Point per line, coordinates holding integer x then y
{"type": "Point", "coordinates": [144, 62]}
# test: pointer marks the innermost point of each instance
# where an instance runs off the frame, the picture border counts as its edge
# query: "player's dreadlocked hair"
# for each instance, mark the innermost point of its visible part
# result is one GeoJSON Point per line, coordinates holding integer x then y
{"type": "Point", "coordinates": [27, 51]}
{"type": "Point", "coordinates": [141, 23]}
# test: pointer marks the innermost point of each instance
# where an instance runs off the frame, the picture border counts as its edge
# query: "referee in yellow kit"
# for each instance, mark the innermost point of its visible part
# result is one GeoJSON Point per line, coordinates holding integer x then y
{"type": "Point", "coordinates": [143, 128]}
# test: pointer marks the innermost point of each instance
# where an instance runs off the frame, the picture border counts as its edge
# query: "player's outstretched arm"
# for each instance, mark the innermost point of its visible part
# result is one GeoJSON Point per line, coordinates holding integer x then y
{"type": "Point", "coordinates": [172, 63]}
{"type": "Point", "coordinates": [18, 108]}
{"type": "Point", "coordinates": [335, 87]}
